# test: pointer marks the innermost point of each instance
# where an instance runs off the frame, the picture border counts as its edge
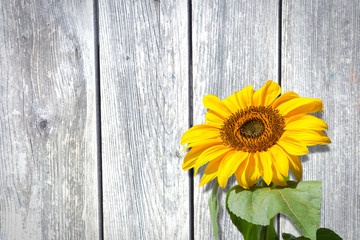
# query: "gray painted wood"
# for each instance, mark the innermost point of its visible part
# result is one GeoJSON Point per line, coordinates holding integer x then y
{"type": "Point", "coordinates": [144, 112]}
{"type": "Point", "coordinates": [48, 142]}
{"type": "Point", "coordinates": [235, 44]}
{"type": "Point", "coordinates": [321, 58]}
{"type": "Point", "coordinates": [48, 149]}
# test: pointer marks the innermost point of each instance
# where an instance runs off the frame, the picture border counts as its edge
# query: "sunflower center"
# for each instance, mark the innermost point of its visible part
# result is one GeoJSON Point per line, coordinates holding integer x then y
{"type": "Point", "coordinates": [253, 129]}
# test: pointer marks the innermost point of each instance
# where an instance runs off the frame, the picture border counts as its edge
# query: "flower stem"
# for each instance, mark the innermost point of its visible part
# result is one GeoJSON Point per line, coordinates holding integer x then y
{"type": "Point", "coordinates": [214, 208]}
{"type": "Point", "coordinates": [264, 233]}
{"type": "Point", "coordinates": [264, 230]}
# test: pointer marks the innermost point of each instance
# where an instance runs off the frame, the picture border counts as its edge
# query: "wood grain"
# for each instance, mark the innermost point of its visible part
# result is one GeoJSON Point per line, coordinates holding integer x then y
{"type": "Point", "coordinates": [48, 147]}
{"type": "Point", "coordinates": [235, 44]}
{"type": "Point", "coordinates": [144, 111]}
{"type": "Point", "coordinates": [321, 59]}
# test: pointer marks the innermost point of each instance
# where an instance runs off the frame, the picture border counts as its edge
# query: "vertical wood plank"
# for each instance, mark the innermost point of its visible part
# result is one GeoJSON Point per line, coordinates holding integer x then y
{"type": "Point", "coordinates": [144, 89]}
{"type": "Point", "coordinates": [48, 146]}
{"type": "Point", "coordinates": [235, 44]}
{"type": "Point", "coordinates": [321, 59]}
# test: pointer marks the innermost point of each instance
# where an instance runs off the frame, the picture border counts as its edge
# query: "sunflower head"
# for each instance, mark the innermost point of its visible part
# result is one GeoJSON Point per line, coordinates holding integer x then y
{"type": "Point", "coordinates": [254, 134]}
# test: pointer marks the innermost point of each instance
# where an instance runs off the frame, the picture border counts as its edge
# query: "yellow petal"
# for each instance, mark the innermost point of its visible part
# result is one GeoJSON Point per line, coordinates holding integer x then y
{"type": "Point", "coordinates": [239, 104]}
{"type": "Point", "coordinates": [240, 174]}
{"type": "Point", "coordinates": [278, 179]}
{"type": "Point", "coordinates": [199, 132]}
{"type": "Point", "coordinates": [252, 172]}
{"type": "Point", "coordinates": [212, 102]}
{"type": "Point", "coordinates": [280, 159]}
{"type": "Point", "coordinates": [192, 156]}
{"type": "Point", "coordinates": [214, 119]}
{"type": "Point", "coordinates": [211, 141]}
{"type": "Point", "coordinates": [267, 94]}
{"type": "Point", "coordinates": [210, 171]}
{"type": "Point", "coordinates": [231, 103]}
{"type": "Point", "coordinates": [240, 100]}
{"type": "Point", "coordinates": [309, 137]}
{"type": "Point", "coordinates": [210, 154]}
{"type": "Point", "coordinates": [229, 165]}
{"type": "Point", "coordinates": [292, 146]}
{"type": "Point", "coordinates": [284, 98]}
{"type": "Point", "coordinates": [295, 166]}
{"type": "Point", "coordinates": [300, 106]}
{"type": "Point", "coordinates": [305, 122]}
{"type": "Point", "coordinates": [217, 125]}
{"type": "Point", "coordinates": [245, 96]}
{"type": "Point", "coordinates": [266, 163]}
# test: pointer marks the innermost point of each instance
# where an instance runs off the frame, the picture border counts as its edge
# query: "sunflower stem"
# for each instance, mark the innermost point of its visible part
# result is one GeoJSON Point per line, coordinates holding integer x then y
{"type": "Point", "coordinates": [264, 233]}
{"type": "Point", "coordinates": [214, 208]}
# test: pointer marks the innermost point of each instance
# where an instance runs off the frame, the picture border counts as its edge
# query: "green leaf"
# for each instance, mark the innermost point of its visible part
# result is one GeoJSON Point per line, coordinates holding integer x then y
{"type": "Point", "coordinates": [258, 205]}
{"type": "Point", "coordinates": [253, 232]}
{"type": "Point", "coordinates": [321, 234]}
{"type": "Point", "coordinates": [287, 236]}
{"type": "Point", "coordinates": [214, 208]}
{"type": "Point", "coordinates": [326, 234]}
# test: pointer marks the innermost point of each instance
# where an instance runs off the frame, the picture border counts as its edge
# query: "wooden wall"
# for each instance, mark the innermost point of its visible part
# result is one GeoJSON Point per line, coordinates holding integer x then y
{"type": "Point", "coordinates": [48, 138]}
{"type": "Point", "coordinates": [95, 95]}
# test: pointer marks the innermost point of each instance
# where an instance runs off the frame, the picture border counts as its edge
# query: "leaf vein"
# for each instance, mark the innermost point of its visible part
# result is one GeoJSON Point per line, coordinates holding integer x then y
{"type": "Point", "coordinates": [286, 202]}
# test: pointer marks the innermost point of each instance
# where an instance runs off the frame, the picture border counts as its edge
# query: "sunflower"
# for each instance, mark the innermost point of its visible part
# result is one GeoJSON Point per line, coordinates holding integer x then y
{"type": "Point", "coordinates": [254, 134]}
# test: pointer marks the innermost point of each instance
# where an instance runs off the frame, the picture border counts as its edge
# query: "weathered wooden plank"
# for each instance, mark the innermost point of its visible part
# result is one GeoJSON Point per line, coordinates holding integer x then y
{"type": "Point", "coordinates": [48, 147]}
{"type": "Point", "coordinates": [321, 58]}
{"type": "Point", "coordinates": [235, 44]}
{"type": "Point", "coordinates": [144, 111]}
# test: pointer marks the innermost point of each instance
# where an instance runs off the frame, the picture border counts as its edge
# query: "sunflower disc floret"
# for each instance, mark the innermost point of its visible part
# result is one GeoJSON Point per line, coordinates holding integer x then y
{"type": "Point", "coordinates": [253, 129]}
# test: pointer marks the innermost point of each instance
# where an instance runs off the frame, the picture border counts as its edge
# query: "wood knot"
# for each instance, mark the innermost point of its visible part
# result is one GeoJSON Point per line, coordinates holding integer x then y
{"type": "Point", "coordinates": [43, 124]}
